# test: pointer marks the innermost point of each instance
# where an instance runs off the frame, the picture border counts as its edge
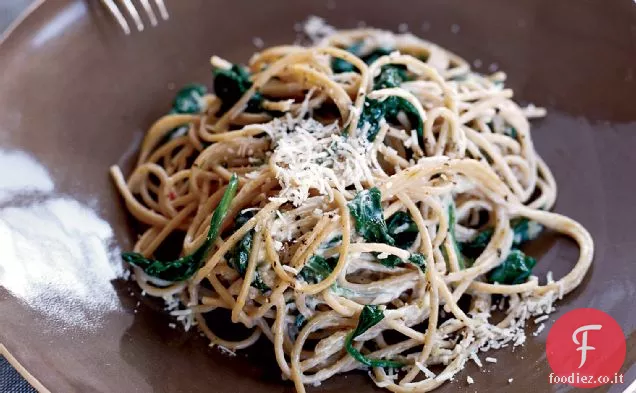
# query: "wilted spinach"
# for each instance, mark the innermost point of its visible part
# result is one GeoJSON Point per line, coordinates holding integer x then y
{"type": "Point", "coordinates": [366, 209]}
{"type": "Point", "coordinates": [231, 84]}
{"type": "Point", "coordinates": [239, 256]}
{"type": "Point", "coordinates": [514, 270]}
{"type": "Point", "coordinates": [399, 230]}
{"type": "Point", "coordinates": [188, 99]}
{"type": "Point", "coordinates": [184, 267]}
{"type": "Point", "coordinates": [334, 241]}
{"type": "Point", "coordinates": [370, 316]}
{"type": "Point", "coordinates": [339, 65]}
{"type": "Point", "coordinates": [517, 267]}
{"type": "Point", "coordinates": [523, 229]}
{"type": "Point", "coordinates": [373, 111]}
{"type": "Point", "coordinates": [403, 229]}
{"type": "Point", "coordinates": [299, 322]}
{"type": "Point", "coordinates": [451, 234]}
{"type": "Point", "coordinates": [391, 76]}
{"type": "Point", "coordinates": [317, 269]}
{"type": "Point", "coordinates": [418, 260]}
{"type": "Point", "coordinates": [508, 130]}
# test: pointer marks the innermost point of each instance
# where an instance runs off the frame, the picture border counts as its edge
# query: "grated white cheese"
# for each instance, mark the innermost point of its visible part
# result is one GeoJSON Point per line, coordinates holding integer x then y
{"type": "Point", "coordinates": [510, 380]}
{"type": "Point", "coordinates": [523, 308]}
{"type": "Point", "coordinates": [310, 156]}
{"type": "Point", "coordinates": [172, 302]}
{"type": "Point", "coordinates": [475, 359]}
{"type": "Point", "coordinates": [225, 350]}
{"type": "Point", "coordinates": [186, 317]}
{"type": "Point", "coordinates": [540, 319]}
{"type": "Point", "coordinates": [550, 277]}
{"type": "Point", "coordinates": [491, 360]}
{"type": "Point", "coordinates": [469, 380]}
{"type": "Point", "coordinates": [531, 111]}
{"type": "Point", "coordinates": [539, 330]}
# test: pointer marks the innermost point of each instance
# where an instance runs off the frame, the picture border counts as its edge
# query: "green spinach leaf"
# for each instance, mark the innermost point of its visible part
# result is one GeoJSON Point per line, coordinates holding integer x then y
{"type": "Point", "coordinates": [508, 130]}
{"type": "Point", "coordinates": [399, 230]}
{"type": "Point", "coordinates": [524, 230]}
{"type": "Point", "coordinates": [418, 260]}
{"type": "Point", "coordinates": [374, 111]}
{"type": "Point", "coordinates": [340, 65]}
{"type": "Point", "coordinates": [239, 256]}
{"type": "Point", "coordinates": [403, 229]}
{"type": "Point", "coordinates": [334, 241]}
{"type": "Point", "coordinates": [188, 99]}
{"type": "Point", "coordinates": [514, 270]}
{"type": "Point", "coordinates": [299, 322]}
{"type": "Point", "coordinates": [390, 261]}
{"type": "Point", "coordinates": [231, 84]}
{"type": "Point", "coordinates": [317, 269]}
{"type": "Point", "coordinates": [259, 284]}
{"type": "Point", "coordinates": [511, 132]}
{"type": "Point", "coordinates": [376, 54]}
{"type": "Point", "coordinates": [366, 210]}
{"type": "Point", "coordinates": [184, 267]}
{"type": "Point", "coordinates": [370, 316]}
{"type": "Point", "coordinates": [461, 261]}
{"type": "Point", "coordinates": [391, 76]}
{"type": "Point", "coordinates": [393, 261]}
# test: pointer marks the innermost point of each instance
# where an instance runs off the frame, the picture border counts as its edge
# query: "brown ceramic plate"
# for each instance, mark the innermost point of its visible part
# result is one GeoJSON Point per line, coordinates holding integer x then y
{"type": "Point", "coordinates": [76, 96]}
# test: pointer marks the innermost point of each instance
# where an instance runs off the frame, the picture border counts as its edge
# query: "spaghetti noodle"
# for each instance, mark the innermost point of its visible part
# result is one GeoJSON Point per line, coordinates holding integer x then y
{"type": "Point", "coordinates": [384, 190]}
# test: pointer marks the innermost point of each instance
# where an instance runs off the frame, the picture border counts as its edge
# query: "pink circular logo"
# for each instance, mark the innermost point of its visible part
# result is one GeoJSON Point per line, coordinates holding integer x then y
{"type": "Point", "coordinates": [586, 348]}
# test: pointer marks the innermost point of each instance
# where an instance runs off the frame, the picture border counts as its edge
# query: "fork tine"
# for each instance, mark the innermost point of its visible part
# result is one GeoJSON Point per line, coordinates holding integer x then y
{"type": "Point", "coordinates": [162, 9]}
{"type": "Point", "coordinates": [134, 14]}
{"type": "Point", "coordinates": [149, 12]}
{"type": "Point", "coordinates": [114, 10]}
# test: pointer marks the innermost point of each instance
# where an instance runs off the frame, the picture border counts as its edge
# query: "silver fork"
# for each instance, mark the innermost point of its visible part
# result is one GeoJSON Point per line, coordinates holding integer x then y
{"type": "Point", "coordinates": [134, 14]}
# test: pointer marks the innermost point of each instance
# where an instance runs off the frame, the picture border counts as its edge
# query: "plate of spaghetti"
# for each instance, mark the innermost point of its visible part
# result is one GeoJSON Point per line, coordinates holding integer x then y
{"type": "Point", "coordinates": [346, 205]}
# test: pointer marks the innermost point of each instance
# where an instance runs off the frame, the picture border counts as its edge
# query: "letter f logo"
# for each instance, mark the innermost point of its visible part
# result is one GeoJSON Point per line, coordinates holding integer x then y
{"type": "Point", "coordinates": [583, 344]}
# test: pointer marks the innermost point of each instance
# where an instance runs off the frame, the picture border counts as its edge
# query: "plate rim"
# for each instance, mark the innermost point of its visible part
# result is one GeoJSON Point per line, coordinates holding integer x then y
{"type": "Point", "coordinates": [13, 26]}
{"type": "Point", "coordinates": [5, 36]}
